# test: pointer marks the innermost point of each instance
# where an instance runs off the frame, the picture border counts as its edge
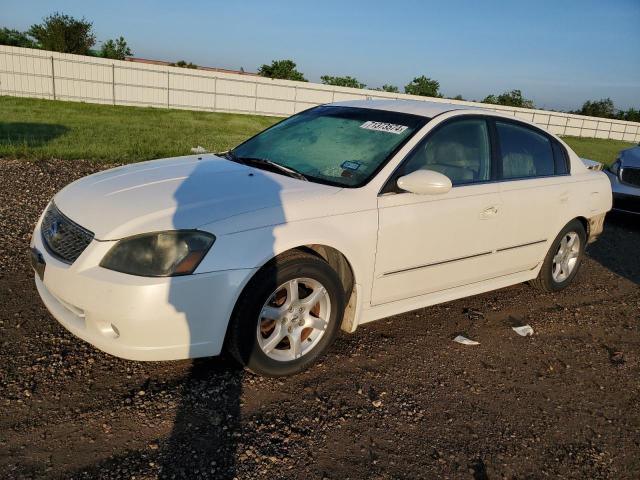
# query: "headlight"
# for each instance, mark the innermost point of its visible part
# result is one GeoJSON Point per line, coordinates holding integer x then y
{"type": "Point", "coordinates": [615, 167]}
{"type": "Point", "coordinates": [159, 254]}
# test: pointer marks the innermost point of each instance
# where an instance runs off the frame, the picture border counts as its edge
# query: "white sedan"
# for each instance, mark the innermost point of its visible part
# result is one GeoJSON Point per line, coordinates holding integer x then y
{"type": "Point", "coordinates": [337, 216]}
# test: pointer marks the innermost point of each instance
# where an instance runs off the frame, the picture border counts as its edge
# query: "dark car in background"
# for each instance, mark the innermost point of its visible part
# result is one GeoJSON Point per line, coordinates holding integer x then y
{"type": "Point", "coordinates": [624, 175]}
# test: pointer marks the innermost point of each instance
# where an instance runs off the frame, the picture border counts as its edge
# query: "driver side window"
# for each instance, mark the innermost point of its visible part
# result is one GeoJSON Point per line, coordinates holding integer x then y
{"type": "Point", "coordinates": [460, 150]}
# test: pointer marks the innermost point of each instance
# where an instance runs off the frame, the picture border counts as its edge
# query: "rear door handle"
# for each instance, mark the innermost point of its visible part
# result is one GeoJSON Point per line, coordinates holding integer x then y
{"type": "Point", "coordinates": [489, 212]}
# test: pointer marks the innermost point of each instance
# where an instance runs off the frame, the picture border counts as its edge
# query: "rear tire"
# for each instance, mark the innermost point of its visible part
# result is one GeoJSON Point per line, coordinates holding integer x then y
{"type": "Point", "coordinates": [563, 259]}
{"type": "Point", "coordinates": [287, 316]}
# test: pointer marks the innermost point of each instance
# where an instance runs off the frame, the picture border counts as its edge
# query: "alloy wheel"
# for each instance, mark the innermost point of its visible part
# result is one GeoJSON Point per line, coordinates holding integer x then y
{"type": "Point", "coordinates": [566, 258]}
{"type": "Point", "coordinates": [293, 319]}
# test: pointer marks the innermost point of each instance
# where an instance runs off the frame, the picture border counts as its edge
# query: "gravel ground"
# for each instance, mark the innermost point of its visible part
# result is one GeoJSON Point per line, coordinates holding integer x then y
{"type": "Point", "coordinates": [397, 399]}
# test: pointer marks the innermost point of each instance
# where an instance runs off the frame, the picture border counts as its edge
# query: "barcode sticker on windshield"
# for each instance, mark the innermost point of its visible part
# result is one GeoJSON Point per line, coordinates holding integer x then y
{"type": "Point", "coordinates": [384, 127]}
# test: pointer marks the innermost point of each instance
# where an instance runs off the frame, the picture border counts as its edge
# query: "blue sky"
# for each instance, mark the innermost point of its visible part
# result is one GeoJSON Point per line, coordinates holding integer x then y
{"type": "Point", "coordinates": [559, 53]}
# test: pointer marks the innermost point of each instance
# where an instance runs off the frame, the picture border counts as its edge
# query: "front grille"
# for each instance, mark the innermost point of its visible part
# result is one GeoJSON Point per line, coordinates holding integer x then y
{"type": "Point", "coordinates": [63, 238]}
{"type": "Point", "coordinates": [631, 176]}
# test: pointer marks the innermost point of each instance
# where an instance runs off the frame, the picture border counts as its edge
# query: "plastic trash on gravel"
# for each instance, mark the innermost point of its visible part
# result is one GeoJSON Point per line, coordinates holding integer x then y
{"type": "Point", "coordinates": [523, 330]}
{"type": "Point", "coordinates": [473, 314]}
{"type": "Point", "coordinates": [465, 341]}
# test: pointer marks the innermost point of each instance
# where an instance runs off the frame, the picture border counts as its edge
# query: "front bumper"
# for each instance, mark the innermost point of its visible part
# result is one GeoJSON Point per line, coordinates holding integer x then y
{"type": "Point", "coordinates": [626, 198]}
{"type": "Point", "coordinates": [139, 318]}
{"type": "Point", "coordinates": [626, 203]}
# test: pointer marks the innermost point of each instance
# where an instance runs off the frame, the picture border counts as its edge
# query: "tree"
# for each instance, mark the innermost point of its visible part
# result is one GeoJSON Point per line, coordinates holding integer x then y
{"type": "Point", "coordinates": [63, 33]}
{"type": "Point", "coordinates": [283, 69]}
{"type": "Point", "coordinates": [14, 38]}
{"type": "Point", "coordinates": [458, 97]}
{"type": "Point", "coordinates": [632, 115]}
{"type": "Point", "coordinates": [183, 64]}
{"type": "Point", "coordinates": [116, 49]}
{"type": "Point", "coordinates": [424, 86]}
{"type": "Point", "coordinates": [342, 81]}
{"type": "Point", "coordinates": [598, 108]}
{"type": "Point", "coordinates": [388, 88]}
{"type": "Point", "coordinates": [513, 98]}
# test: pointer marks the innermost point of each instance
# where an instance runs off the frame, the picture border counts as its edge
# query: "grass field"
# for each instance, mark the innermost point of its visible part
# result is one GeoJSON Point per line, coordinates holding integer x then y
{"type": "Point", "coordinates": [37, 129]}
{"type": "Point", "coordinates": [605, 151]}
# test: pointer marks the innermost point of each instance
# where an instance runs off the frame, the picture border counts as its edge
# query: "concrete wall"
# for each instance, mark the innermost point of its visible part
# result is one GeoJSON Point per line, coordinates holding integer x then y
{"type": "Point", "coordinates": [43, 74]}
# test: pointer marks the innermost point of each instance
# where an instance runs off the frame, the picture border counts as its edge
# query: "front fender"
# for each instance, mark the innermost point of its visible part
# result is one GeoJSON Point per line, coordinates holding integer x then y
{"type": "Point", "coordinates": [352, 234]}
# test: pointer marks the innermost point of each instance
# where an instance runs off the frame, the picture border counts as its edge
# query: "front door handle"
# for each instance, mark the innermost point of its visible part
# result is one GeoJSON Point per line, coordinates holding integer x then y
{"type": "Point", "coordinates": [489, 212]}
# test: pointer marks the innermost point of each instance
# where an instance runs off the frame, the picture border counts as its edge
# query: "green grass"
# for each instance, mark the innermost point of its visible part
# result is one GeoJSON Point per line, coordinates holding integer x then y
{"type": "Point", "coordinates": [605, 151]}
{"type": "Point", "coordinates": [41, 129]}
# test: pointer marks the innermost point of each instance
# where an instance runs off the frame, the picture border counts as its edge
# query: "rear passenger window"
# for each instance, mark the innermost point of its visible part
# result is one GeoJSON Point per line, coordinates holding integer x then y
{"type": "Point", "coordinates": [561, 158]}
{"type": "Point", "coordinates": [525, 153]}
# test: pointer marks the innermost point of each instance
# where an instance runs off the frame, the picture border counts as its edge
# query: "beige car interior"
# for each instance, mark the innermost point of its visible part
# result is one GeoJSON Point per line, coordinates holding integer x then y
{"type": "Point", "coordinates": [460, 151]}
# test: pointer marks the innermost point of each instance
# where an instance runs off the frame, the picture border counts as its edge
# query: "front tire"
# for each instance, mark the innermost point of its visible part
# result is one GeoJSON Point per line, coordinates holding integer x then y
{"type": "Point", "coordinates": [287, 316]}
{"type": "Point", "coordinates": [563, 260]}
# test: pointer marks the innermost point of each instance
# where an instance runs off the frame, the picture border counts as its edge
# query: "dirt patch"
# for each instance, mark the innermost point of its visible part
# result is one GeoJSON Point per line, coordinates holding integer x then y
{"type": "Point", "coordinates": [398, 399]}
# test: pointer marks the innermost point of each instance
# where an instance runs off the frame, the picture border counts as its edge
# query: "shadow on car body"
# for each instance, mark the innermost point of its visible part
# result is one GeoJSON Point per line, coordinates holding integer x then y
{"type": "Point", "coordinates": [203, 441]}
{"type": "Point", "coordinates": [206, 428]}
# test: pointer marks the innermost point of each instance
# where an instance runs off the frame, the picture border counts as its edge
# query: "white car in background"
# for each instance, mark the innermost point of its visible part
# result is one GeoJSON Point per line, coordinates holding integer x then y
{"type": "Point", "coordinates": [335, 217]}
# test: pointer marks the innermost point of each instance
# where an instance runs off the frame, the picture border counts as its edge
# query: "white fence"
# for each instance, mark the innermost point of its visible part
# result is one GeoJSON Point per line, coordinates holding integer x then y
{"type": "Point", "coordinates": [37, 73]}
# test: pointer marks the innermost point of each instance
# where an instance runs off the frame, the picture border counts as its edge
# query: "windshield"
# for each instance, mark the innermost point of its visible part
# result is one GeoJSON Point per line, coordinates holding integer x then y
{"type": "Point", "coordinates": [342, 146]}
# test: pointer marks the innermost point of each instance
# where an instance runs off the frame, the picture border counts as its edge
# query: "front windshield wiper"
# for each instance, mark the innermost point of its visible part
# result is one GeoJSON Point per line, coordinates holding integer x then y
{"type": "Point", "coordinates": [263, 162]}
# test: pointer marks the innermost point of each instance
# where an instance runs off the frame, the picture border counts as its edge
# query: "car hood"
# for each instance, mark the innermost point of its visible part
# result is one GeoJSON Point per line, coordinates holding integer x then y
{"type": "Point", "coordinates": [177, 193]}
{"type": "Point", "coordinates": [630, 157]}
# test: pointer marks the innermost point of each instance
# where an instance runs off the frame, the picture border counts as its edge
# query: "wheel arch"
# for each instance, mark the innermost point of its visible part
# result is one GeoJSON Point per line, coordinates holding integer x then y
{"type": "Point", "coordinates": [593, 226]}
{"type": "Point", "coordinates": [585, 223]}
{"type": "Point", "coordinates": [340, 264]}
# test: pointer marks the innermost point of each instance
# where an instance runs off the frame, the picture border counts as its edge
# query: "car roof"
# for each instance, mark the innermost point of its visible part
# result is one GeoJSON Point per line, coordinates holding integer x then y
{"type": "Point", "coordinates": [416, 107]}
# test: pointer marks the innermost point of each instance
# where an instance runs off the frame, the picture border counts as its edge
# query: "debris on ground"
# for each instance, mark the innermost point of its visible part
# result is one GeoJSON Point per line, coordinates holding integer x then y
{"type": "Point", "coordinates": [523, 330]}
{"type": "Point", "coordinates": [473, 314]}
{"type": "Point", "coordinates": [616, 357]}
{"type": "Point", "coordinates": [465, 341]}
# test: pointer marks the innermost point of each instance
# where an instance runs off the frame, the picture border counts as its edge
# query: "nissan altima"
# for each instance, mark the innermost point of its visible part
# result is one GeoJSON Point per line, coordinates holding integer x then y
{"type": "Point", "coordinates": [337, 216]}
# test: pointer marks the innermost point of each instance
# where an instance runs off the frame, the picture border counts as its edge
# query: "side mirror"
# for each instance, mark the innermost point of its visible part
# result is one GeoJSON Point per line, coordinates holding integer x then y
{"type": "Point", "coordinates": [425, 182]}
